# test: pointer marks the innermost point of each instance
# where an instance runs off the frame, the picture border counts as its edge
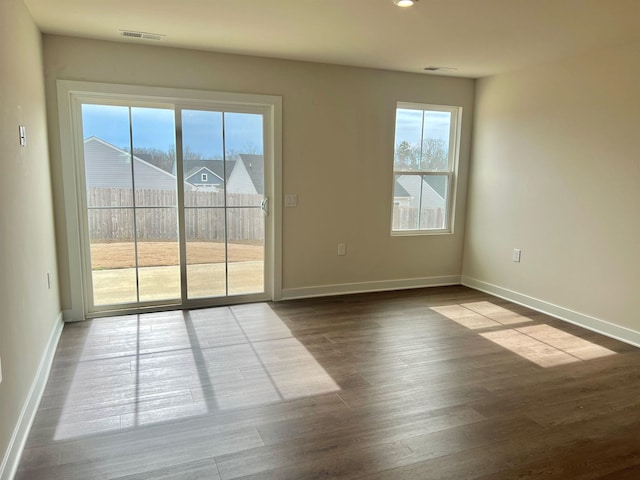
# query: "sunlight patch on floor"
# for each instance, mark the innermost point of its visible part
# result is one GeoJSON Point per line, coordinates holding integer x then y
{"type": "Point", "coordinates": [147, 369]}
{"type": "Point", "coordinates": [541, 344]}
{"type": "Point", "coordinates": [547, 346]}
{"type": "Point", "coordinates": [480, 315]}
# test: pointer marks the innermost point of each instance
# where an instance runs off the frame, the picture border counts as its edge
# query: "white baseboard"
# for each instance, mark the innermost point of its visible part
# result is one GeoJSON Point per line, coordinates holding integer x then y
{"type": "Point", "coordinates": [12, 456]}
{"type": "Point", "coordinates": [367, 287]}
{"type": "Point", "coordinates": [597, 325]}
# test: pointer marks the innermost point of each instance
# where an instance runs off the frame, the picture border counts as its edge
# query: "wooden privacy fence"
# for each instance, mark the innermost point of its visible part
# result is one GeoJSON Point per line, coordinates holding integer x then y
{"type": "Point", "coordinates": [111, 215]}
{"type": "Point", "coordinates": [406, 218]}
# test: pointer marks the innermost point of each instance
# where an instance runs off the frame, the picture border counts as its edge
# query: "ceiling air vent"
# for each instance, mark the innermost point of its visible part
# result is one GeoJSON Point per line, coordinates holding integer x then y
{"type": "Point", "coordinates": [142, 35]}
{"type": "Point", "coordinates": [433, 68]}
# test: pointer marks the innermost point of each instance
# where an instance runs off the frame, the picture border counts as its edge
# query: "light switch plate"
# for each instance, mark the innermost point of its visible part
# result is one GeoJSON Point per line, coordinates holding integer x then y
{"type": "Point", "coordinates": [22, 131]}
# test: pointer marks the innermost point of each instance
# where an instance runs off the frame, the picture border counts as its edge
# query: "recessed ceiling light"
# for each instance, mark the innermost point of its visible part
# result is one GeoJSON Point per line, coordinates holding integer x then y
{"type": "Point", "coordinates": [405, 3]}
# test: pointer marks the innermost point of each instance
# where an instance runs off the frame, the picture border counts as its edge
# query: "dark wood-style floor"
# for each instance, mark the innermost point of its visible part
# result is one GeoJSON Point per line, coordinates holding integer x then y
{"type": "Point", "coordinates": [443, 383]}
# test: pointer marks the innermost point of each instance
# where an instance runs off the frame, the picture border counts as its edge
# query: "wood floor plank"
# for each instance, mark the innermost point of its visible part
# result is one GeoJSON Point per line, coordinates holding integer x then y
{"type": "Point", "coordinates": [199, 470]}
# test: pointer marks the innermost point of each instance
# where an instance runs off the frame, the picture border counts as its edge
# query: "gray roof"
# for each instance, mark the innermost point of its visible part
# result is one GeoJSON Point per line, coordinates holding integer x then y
{"type": "Point", "coordinates": [255, 167]}
{"type": "Point", "coordinates": [215, 166]}
{"type": "Point", "coordinates": [108, 166]}
{"type": "Point", "coordinates": [399, 190]}
{"type": "Point", "coordinates": [438, 183]}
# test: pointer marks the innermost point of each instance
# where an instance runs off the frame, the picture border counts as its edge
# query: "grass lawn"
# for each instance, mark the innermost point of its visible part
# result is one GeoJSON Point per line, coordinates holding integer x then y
{"type": "Point", "coordinates": [107, 256]}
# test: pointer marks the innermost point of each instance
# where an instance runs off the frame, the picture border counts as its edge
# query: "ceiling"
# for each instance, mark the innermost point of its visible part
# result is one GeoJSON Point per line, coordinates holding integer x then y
{"type": "Point", "coordinates": [475, 37]}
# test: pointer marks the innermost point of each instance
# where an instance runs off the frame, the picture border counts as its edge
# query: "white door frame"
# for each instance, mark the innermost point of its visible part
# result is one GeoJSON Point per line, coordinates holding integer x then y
{"type": "Point", "coordinates": [71, 94]}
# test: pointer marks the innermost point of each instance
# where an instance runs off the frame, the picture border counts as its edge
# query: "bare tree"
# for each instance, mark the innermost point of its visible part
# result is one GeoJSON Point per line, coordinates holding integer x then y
{"type": "Point", "coordinates": [406, 156]}
{"type": "Point", "coordinates": [431, 155]}
{"type": "Point", "coordinates": [435, 154]}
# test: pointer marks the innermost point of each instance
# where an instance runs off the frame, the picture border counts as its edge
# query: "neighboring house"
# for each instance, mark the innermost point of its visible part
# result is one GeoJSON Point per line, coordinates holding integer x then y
{"type": "Point", "coordinates": [216, 166]}
{"type": "Point", "coordinates": [107, 166]}
{"type": "Point", "coordinates": [432, 192]}
{"type": "Point", "coordinates": [401, 197]}
{"type": "Point", "coordinates": [247, 175]}
{"type": "Point", "coordinates": [204, 178]}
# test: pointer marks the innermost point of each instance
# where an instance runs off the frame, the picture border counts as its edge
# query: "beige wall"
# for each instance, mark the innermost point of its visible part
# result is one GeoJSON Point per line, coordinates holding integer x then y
{"type": "Point", "coordinates": [556, 172]}
{"type": "Point", "coordinates": [27, 248]}
{"type": "Point", "coordinates": [338, 127]}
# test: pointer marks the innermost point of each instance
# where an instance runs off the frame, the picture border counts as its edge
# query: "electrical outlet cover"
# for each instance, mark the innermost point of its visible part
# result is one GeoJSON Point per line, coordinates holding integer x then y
{"type": "Point", "coordinates": [516, 254]}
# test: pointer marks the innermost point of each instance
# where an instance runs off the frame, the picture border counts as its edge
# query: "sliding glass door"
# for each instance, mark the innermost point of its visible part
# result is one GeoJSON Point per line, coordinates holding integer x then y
{"type": "Point", "coordinates": [175, 204]}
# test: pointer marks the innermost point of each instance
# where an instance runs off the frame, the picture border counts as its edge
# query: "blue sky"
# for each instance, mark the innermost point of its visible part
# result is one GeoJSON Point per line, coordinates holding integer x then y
{"type": "Point", "coordinates": [202, 130]}
{"type": "Point", "coordinates": [154, 128]}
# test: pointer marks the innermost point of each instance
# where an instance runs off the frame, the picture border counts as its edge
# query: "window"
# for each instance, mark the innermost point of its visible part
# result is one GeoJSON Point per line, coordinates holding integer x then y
{"type": "Point", "coordinates": [204, 177]}
{"type": "Point", "coordinates": [424, 168]}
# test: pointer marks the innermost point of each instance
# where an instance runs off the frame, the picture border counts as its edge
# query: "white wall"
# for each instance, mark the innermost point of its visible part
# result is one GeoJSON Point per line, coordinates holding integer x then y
{"type": "Point", "coordinates": [338, 125]}
{"type": "Point", "coordinates": [27, 246]}
{"type": "Point", "coordinates": [556, 172]}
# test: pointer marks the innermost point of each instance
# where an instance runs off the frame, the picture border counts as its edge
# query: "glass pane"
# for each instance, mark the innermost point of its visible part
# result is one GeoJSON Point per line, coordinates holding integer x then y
{"type": "Point", "coordinates": [435, 141]}
{"type": "Point", "coordinates": [420, 202]}
{"type": "Point", "coordinates": [422, 140]}
{"type": "Point", "coordinates": [433, 209]}
{"type": "Point", "coordinates": [203, 164]}
{"type": "Point", "coordinates": [245, 250]}
{"type": "Point", "coordinates": [406, 202]}
{"type": "Point", "coordinates": [204, 174]}
{"type": "Point", "coordinates": [109, 185]}
{"type": "Point", "coordinates": [113, 258]}
{"type": "Point", "coordinates": [158, 253]}
{"type": "Point", "coordinates": [244, 158]}
{"type": "Point", "coordinates": [106, 155]}
{"type": "Point", "coordinates": [206, 274]}
{"type": "Point", "coordinates": [408, 139]}
{"type": "Point", "coordinates": [153, 139]}
{"type": "Point", "coordinates": [245, 226]}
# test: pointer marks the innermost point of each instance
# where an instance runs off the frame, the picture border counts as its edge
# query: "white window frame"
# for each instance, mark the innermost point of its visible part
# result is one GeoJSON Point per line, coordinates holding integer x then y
{"type": "Point", "coordinates": [451, 173]}
{"type": "Point", "coordinates": [204, 177]}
